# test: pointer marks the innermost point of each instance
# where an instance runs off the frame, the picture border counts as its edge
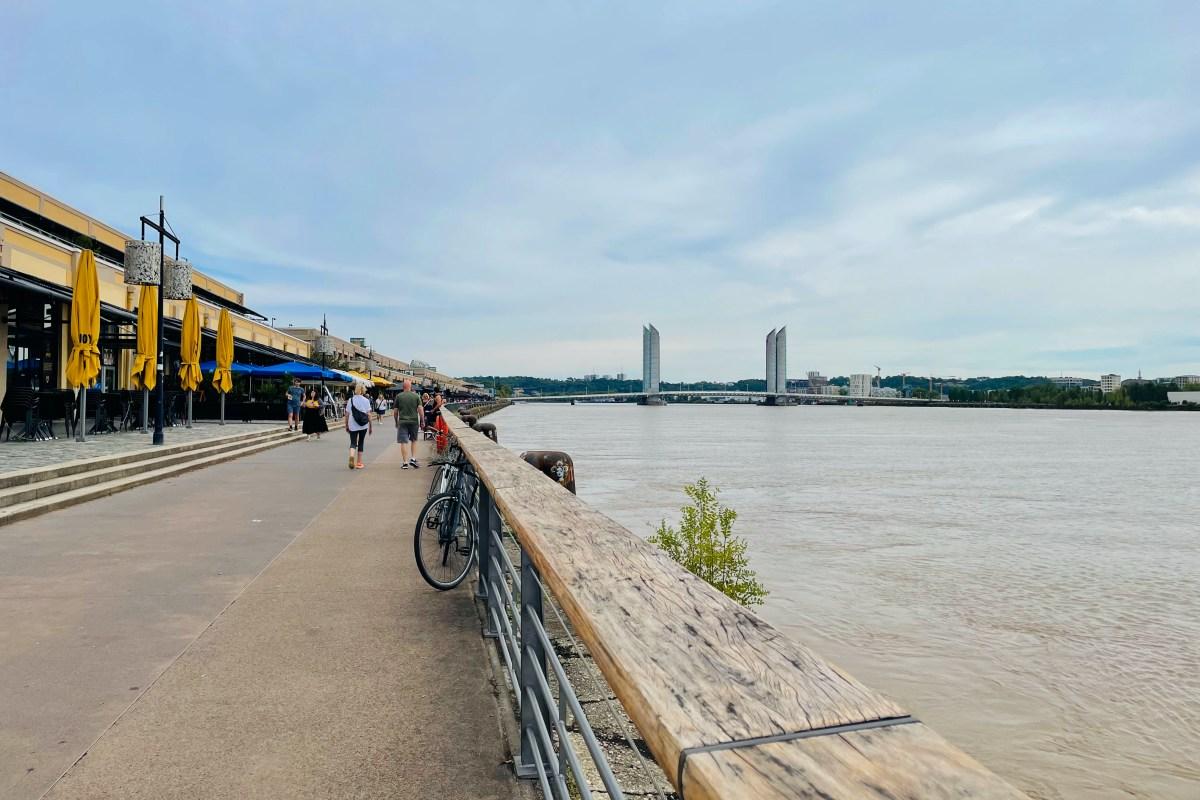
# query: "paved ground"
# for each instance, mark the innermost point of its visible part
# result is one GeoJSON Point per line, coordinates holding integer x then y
{"type": "Point", "coordinates": [15, 454]}
{"type": "Point", "coordinates": [161, 652]}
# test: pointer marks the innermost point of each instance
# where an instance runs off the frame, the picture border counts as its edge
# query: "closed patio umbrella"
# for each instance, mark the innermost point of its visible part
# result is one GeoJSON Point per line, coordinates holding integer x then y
{"type": "Point", "coordinates": [189, 353]}
{"type": "Point", "coordinates": [83, 364]}
{"type": "Point", "coordinates": [144, 374]}
{"type": "Point", "coordinates": [222, 378]}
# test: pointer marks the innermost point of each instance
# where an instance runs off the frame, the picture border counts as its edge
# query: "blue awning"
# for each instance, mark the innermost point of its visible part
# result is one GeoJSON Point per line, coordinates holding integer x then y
{"type": "Point", "coordinates": [237, 368]}
{"type": "Point", "coordinates": [297, 369]}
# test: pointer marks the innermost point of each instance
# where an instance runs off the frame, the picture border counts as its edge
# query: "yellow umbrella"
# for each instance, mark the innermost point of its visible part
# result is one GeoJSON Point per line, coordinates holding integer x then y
{"type": "Point", "coordinates": [189, 348]}
{"type": "Point", "coordinates": [144, 374]}
{"type": "Point", "coordinates": [83, 365]}
{"type": "Point", "coordinates": [222, 378]}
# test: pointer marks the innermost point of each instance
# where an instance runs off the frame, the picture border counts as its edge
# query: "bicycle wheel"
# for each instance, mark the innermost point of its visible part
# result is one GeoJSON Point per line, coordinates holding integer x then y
{"type": "Point", "coordinates": [444, 541]}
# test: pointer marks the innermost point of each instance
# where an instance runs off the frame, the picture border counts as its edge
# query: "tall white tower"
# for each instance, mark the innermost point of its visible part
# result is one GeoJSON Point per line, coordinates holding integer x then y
{"type": "Point", "coordinates": [781, 360]}
{"type": "Point", "coordinates": [772, 351]}
{"type": "Point", "coordinates": [651, 363]}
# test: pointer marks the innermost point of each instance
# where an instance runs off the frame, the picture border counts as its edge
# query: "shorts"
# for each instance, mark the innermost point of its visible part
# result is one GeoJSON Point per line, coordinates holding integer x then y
{"type": "Point", "coordinates": [358, 439]}
{"type": "Point", "coordinates": [293, 408]}
{"type": "Point", "coordinates": [406, 432]}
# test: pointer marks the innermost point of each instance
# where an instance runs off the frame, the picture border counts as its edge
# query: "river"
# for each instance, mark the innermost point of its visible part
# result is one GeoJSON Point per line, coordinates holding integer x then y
{"type": "Point", "coordinates": [1027, 582]}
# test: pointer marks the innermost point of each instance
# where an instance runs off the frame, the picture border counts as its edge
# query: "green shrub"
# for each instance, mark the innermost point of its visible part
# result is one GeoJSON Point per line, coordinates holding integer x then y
{"type": "Point", "coordinates": [706, 547]}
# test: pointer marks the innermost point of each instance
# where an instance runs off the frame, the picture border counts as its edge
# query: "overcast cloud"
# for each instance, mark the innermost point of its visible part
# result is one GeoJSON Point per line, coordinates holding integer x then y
{"type": "Point", "coordinates": [962, 188]}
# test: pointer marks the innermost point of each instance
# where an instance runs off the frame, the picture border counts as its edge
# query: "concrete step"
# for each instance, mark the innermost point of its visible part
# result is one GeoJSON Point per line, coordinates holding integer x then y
{"type": "Point", "coordinates": [31, 508]}
{"type": "Point", "coordinates": [62, 469]}
{"type": "Point", "coordinates": [103, 474]}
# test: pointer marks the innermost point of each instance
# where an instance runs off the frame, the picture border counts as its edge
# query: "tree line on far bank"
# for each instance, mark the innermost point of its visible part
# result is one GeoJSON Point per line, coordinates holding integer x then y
{"type": "Point", "coordinates": [1008, 390]}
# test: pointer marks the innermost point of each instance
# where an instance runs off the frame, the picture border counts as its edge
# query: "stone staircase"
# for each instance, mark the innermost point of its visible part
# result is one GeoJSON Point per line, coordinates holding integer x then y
{"type": "Point", "coordinates": [28, 492]}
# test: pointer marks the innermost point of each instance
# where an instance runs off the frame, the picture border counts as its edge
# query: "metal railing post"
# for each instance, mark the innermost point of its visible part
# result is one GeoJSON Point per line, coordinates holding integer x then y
{"type": "Point", "coordinates": [483, 514]}
{"type": "Point", "coordinates": [533, 662]}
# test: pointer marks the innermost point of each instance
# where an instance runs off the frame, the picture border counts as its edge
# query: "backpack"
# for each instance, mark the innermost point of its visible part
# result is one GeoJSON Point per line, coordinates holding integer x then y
{"type": "Point", "coordinates": [360, 417]}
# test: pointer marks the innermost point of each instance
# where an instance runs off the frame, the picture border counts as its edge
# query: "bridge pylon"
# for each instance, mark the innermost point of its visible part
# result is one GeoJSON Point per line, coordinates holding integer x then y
{"type": "Point", "coordinates": [777, 368]}
{"type": "Point", "coordinates": [651, 365]}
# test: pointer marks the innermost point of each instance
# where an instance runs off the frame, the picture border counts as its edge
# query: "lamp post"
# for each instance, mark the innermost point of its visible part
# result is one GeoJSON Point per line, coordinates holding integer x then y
{"type": "Point", "coordinates": [163, 234]}
{"type": "Point", "coordinates": [324, 349]}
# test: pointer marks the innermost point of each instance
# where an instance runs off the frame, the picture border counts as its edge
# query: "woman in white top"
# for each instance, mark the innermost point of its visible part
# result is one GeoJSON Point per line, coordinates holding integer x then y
{"type": "Point", "coordinates": [358, 425]}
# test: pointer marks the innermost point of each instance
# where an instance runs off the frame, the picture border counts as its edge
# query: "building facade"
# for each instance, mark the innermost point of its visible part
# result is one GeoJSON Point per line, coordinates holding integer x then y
{"type": "Point", "coordinates": [860, 385]}
{"type": "Point", "coordinates": [40, 242]}
{"type": "Point", "coordinates": [1110, 383]}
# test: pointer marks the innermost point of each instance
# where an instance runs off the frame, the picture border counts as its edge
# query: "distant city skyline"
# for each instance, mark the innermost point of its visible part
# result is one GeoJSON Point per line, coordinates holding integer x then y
{"type": "Point", "coordinates": [941, 189]}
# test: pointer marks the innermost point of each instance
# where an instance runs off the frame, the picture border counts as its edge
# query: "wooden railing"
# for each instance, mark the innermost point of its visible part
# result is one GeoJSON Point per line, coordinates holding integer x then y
{"type": "Point", "coordinates": [729, 706]}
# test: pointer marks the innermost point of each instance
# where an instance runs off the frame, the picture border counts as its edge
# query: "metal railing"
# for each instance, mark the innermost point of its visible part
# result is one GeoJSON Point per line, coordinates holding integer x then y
{"type": "Point", "coordinates": [515, 601]}
{"type": "Point", "coordinates": [728, 707]}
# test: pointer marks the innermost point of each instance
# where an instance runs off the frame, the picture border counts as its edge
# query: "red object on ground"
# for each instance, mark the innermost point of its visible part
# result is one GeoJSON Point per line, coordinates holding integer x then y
{"type": "Point", "coordinates": [443, 434]}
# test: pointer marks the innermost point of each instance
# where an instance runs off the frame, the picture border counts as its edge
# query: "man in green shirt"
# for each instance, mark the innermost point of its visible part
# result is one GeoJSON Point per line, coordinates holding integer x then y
{"type": "Point", "coordinates": [407, 413]}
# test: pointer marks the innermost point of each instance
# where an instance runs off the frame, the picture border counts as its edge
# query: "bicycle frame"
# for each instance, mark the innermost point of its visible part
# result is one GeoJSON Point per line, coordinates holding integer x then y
{"type": "Point", "coordinates": [466, 484]}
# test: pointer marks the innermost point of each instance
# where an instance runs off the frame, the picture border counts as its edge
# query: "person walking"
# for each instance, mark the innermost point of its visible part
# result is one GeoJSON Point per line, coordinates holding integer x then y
{"type": "Point", "coordinates": [426, 412]}
{"type": "Point", "coordinates": [314, 419]}
{"type": "Point", "coordinates": [407, 413]}
{"type": "Point", "coordinates": [295, 396]}
{"type": "Point", "coordinates": [358, 425]}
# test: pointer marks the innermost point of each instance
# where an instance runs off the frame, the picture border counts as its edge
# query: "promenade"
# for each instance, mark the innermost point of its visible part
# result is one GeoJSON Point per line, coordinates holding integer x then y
{"type": "Point", "coordinates": [255, 629]}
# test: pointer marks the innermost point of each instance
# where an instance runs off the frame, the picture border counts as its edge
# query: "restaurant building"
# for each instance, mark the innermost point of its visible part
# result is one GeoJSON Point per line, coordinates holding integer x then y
{"type": "Point", "coordinates": [40, 242]}
{"type": "Point", "coordinates": [356, 355]}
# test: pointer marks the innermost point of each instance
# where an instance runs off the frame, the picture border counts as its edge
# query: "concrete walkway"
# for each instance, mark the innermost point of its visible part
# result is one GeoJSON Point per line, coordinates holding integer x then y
{"type": "Point", "coordinates": [182, 671]}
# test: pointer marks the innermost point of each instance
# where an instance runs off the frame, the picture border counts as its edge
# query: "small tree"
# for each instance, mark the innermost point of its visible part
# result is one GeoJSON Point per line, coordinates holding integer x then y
{"type": "Point", "coordinates": [706, 547]}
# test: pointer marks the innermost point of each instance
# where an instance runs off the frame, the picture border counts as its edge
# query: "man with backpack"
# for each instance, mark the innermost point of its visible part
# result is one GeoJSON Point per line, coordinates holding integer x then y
{"type": "Point", "coordinates": [358, 425]}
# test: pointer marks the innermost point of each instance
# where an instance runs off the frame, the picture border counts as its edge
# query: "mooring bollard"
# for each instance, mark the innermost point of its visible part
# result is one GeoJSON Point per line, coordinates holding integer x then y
{"type": "Point", "coordinates": [555, 464]}
{"type": "Point", "coordinates": [488, 430]}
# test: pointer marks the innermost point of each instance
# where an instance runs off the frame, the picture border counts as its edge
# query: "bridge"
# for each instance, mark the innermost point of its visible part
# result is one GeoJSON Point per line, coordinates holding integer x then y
{"type": "Point", "coordinates": [776, 393]}
{"type": "Point", "coordinates": [768, 398]}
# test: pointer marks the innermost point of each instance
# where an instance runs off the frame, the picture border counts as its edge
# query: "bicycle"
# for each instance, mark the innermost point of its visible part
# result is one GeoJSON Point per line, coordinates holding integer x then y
{"type": "Point", "coordinates": [444, 541]}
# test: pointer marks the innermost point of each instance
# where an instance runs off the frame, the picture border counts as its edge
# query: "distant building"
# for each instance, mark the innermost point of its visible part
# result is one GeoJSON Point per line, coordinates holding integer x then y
{"type": "Point", "coordinates": [1110, 383]}
{"type": "Point", "coordinates": [1186, 380]}
{"type": "Point", "coordinates": [886, 392]}
{"type": "Point", "coordinates": [1183, 397]}
{"type": "Point", "coordinates": [1068, 383]}
{"type": "Point", "coordinates": [816, 379]}
{"type": "Point", "coordinates": [620, 376]}
{"type": "Point", "coordinates": [828, 389]}
{"type": "Point", "coordinates": [860, 384]}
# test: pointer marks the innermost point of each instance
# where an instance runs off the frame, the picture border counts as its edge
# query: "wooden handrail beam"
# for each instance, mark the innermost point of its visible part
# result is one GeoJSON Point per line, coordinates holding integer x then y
{"type": "Point", "coordinates": [694, 669]}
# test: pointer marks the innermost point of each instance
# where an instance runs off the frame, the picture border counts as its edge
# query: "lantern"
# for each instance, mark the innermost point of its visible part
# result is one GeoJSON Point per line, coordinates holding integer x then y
{"type": "Point", "coordinates": [323, 345]}
{"type": "Point", "coordinates": [177, 279]}
{"type": "Point", "coordinates": [142, 262]}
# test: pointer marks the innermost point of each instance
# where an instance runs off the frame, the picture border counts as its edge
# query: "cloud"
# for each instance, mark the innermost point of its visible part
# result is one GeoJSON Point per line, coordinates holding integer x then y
{"type": "Point", "coordinates": [519, 189]}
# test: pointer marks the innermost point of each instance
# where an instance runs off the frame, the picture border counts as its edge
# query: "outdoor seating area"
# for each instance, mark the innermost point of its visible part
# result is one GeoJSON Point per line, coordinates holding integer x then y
{"type": "Point", "coordinates": [34, 416]}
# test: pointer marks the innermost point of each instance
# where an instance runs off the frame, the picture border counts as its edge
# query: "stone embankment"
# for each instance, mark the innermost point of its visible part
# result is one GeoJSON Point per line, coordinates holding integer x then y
{"type": "Point", "coordinates": [483, 409]}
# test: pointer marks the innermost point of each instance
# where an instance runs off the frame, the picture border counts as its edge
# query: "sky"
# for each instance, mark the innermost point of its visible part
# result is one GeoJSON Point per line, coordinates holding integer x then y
{"type": "Point", "coordinates": [515, 188]}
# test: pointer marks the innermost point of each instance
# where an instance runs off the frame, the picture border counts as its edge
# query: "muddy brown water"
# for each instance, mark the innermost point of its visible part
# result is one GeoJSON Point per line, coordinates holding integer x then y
{"type": "Point", "coordinates": [1027, 582]}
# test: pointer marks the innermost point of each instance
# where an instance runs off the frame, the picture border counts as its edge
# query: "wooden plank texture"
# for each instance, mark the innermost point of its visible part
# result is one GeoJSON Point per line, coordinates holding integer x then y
{"type": "Point", "coordinates": [692, 667]}
{"type": "Point", "coordinates": [902, 762]}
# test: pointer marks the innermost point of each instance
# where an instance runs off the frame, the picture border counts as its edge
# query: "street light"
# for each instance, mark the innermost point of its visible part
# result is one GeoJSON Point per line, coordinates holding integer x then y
{"type": "Point", "coordinates": [324, 350]}
{"type": "Point", "coordinates": [139, 270]}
